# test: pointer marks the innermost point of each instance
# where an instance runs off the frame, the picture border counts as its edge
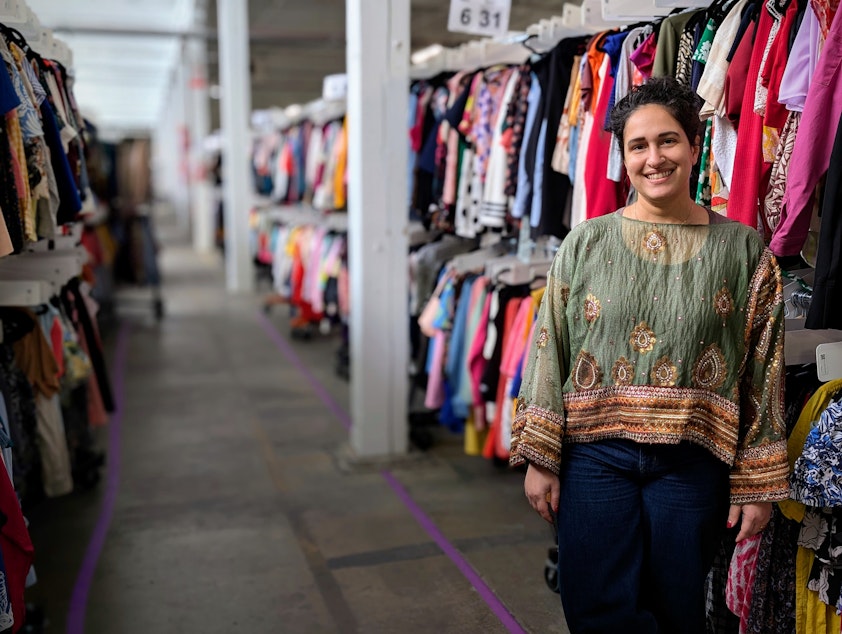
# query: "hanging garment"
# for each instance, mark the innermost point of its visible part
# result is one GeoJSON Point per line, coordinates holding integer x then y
{"type": "Point", "coordinates": [813, 147]}
{"type": "Point", "coordinates": [821, 313]}
{"type": "Point", "coordinates": [750, 171]}
{"type": "Point", "coordinates": [17, 549]}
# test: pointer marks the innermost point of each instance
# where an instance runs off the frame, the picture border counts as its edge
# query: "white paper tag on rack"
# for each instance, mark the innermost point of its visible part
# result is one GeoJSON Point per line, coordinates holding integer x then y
{"type": "Point", "coordinates": [479, 17]}
{"type": "Point", "coordinates": [829, 361]}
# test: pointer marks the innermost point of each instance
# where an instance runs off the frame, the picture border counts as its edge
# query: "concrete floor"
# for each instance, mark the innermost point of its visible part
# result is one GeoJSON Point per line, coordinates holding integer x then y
{"type": "Point", "coordinates": [228, 506]}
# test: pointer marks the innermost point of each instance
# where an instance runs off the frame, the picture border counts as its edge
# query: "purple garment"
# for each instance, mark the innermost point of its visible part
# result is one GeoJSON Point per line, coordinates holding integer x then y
{"type": "Point", "coordinates": [644, 56]}
{"type": "Point", "coordinates": [813, 145]}
{"type": "Point", "coordinates": [802, 63]}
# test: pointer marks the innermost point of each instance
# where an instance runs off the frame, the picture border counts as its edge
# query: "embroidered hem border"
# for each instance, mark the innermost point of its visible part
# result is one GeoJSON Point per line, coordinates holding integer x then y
{"type": "Point", "coordinates": [654, 415]}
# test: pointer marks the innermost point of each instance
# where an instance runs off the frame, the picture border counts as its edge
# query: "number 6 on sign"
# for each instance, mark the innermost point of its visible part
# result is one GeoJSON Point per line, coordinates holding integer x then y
{"type": "Point", "coordinates": [479, 17]}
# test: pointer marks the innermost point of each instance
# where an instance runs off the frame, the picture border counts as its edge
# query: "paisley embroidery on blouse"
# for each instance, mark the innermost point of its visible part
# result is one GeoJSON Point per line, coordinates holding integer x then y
{"type": "Point", "coordinates": [543, 338]}
{"type": "Point", "coordinates": [592, 308]}
{"type": "Point", "coordinates": [664, 373]}
{"type": "Point", "coordinates": [622, 372]}
{"type": "Point", "coordinates": [587, 374]}
{"type": "Point", "coordinates": [710, 370]}
{"type": "Point", "coordinates": [565, 293]}
{"type": "Point", "coordinates": [642, 338]}
{"type": "Point", "coordinates": [723, 303]}
{"type": "Point", "coordinates": [654, 241]}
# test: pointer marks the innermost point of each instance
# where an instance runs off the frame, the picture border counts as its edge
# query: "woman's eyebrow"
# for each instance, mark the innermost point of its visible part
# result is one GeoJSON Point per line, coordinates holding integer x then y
{"type": "Point", "coordinates": [661, 135]}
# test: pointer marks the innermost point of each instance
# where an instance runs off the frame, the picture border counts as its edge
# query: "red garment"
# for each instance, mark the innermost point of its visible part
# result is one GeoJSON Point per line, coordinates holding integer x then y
{"type": "Point", "coordinates": [751, 172]}
{"type": "Point", "coordinates": [741, 574]}
{"type": "Point", "coordinates": [16, 547]}
{"type": "Point", "coordinates": [737, 77]}
{"type": "Point", "coordinates": [57, 343]}
{"type": "Point", "coordinates": [777, 113]}
{"type": "Point", "coordinates": [604, 195]}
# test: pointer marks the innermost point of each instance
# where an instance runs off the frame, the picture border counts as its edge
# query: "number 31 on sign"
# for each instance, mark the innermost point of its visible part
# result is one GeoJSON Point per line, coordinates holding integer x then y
{"type": "Point", "coordinates": [479, 17]}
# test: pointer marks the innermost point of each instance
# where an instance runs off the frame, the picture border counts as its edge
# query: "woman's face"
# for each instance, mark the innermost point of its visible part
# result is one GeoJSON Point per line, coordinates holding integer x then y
{"type": "Point", "coordinates": [658, 155]}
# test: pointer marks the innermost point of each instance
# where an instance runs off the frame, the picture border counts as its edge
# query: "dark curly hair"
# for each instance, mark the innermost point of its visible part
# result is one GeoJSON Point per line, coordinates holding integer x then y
{"type": "Point", "coordinates": [676, 98]}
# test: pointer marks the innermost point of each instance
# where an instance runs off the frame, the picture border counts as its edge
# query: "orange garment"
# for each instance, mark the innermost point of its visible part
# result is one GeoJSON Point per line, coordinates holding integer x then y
{"type": "Point", "coordinates": [35, 359]}
{"type": "Point", "coordinates": [340, 194]}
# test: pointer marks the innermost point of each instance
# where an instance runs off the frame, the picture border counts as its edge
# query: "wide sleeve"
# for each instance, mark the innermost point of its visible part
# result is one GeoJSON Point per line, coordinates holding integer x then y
{"type": "Point", "coordinates": [761, 469]}
{"type": "Point", "coordinates": [538, 426]}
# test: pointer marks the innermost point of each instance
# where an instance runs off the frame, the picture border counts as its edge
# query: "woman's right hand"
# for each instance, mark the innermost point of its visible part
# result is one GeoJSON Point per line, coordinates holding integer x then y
{"type": "Point", "coordinates": [542, 490]}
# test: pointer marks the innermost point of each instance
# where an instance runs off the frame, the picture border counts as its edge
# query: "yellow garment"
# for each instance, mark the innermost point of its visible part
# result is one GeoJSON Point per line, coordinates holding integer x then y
{"type": "Point", "coordinates": [812, 616]}
{"type": "Point", "coordinates": [474, 438]}
{"type": "Point", "coordinates": [576, 94]}
{"type": "Point", "coordinates": [339, 192]}
{"type": "Point", "coordinates": [795, 445]}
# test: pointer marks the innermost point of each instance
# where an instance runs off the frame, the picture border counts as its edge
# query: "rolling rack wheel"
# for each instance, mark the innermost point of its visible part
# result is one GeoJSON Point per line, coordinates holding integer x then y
{"type": "Point", "coordinates": [158, 308]}
{"type": "Point", "coordinates": [551, 569]}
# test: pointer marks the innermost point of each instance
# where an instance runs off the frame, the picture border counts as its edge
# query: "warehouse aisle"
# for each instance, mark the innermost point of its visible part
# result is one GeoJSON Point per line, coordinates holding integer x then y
{"type": "Point", "coordinates": [229, 505]}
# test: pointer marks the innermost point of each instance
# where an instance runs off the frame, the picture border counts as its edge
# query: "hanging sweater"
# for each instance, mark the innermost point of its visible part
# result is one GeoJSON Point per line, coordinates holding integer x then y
{"type": "Point", "coordinates": [661, 333]}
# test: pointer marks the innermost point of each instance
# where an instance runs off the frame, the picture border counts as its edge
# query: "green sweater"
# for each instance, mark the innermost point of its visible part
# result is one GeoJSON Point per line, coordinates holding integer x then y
{"type": "Point", "coordinates": [660, 333]}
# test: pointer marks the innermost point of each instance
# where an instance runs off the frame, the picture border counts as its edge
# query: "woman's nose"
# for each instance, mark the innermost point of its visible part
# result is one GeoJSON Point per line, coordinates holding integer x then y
{"type": "Point", "coordinates": [655, 157]}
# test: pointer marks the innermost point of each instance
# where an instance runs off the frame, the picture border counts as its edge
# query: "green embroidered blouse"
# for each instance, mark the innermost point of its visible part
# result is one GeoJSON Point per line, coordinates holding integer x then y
{"type": "Point", "coordinates": [660, 333]}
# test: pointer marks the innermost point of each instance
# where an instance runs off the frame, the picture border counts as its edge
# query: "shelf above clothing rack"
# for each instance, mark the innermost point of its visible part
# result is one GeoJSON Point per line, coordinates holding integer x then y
{"type": "Point", "coordinates": [800, 346]}
{"type": "Point", "coordinates": [24, 292]}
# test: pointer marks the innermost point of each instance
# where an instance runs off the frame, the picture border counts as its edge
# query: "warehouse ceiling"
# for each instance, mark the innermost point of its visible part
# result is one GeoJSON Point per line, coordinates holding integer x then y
{"type": "Point", "coordinates": [125, 51]}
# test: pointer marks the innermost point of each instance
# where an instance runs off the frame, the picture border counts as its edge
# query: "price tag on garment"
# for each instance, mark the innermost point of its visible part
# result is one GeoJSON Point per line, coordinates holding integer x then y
{"type": "Point", "coordinates": [479, 17]}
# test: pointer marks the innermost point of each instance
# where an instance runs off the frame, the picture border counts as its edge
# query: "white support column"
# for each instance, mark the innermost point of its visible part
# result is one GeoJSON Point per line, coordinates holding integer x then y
{"type": "Point", "coordinates": [235, 84]}
{"type": "Point", "coordinates": [378, 84]}
{"type": "Point", "coordinates": [201, 190]}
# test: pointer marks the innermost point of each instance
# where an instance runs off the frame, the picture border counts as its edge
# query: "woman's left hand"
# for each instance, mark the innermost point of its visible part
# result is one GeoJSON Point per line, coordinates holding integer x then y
{"type": "Point", "coordinates": [753, 518]}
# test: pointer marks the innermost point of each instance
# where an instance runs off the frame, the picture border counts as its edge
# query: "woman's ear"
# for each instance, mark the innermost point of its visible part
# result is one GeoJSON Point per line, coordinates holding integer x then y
{"type": "Point", "coordinates": [697, 148]}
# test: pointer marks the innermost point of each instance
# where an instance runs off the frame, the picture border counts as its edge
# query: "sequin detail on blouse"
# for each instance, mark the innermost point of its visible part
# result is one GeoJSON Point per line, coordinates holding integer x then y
{"type": "Point", "coordinates": [623, 372]}
{"type": "Point", "coordinates": [587, 375]}
{"type": "Point", "coordinates": [723, 303]}
{"type": "Point", "coordinates": [654, 241]}
{"type": "Point", "coordinates": [592, 308]}
{"type": "Point", "coordinates": [642, 338]}
{"type": "Point", "coordinates": [710, 369]}
{"type": "Point", "coordinates": [664, 373]}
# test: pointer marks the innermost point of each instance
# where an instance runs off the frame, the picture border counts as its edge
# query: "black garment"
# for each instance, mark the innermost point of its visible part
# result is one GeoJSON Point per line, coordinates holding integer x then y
{"type": "Point", "coordinates": [20, 406]}
{"type": "Point", "coordinates": [9, 204]}
{"type": "Point", "coordinates": [824, 312]}
{"type": "Point", "coordinates": [69, 201]}
{"type": "Point", "coordinates": [553, 72]}
{"type": "Point", "coordinates": [491, 376]}
{"type": "Point", "coordinates": [94, 348]}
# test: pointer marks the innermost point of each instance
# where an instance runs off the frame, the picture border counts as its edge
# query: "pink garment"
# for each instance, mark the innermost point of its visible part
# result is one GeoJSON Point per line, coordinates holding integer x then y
{"type": "Point", "coordinates": [740, 584]}
{"type": "Point", "coordinates": [813, 145]}
{"type": "Point", "coordinates": [477, 363]}
{"type": "Point", "coordinates": [751, 173]}
{"type": "Point", "coordinates": [312, 269]}
{"type": "Point", "coordinates": [516, 341]}
{"type": "Point", "coordinates": [643, 57]}
{"type": "Point", "coordinates": [434, 398]}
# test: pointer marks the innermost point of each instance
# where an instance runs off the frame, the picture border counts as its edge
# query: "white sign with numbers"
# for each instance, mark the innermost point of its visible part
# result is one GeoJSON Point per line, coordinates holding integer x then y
{"type": "Point", "coordinates": [479, 17]}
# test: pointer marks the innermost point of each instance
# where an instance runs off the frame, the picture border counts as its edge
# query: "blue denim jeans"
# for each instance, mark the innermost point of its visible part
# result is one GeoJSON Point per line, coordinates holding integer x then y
{"type": "Point", "coordinates": [638, 528]}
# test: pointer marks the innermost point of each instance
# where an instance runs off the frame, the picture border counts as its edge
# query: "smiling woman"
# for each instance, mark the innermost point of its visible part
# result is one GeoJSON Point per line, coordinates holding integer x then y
{"type": "Point", "coordinates": [642, 448]}
{"type": "Point", "coordinates": [657, 130]}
